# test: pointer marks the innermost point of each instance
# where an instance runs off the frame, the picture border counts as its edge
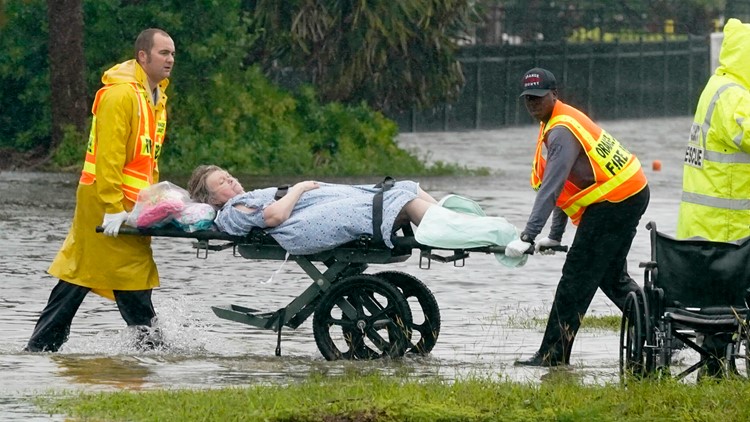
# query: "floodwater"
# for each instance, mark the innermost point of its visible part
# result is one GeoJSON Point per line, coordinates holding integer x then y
{"type": "Point", "coordinates": [486, 308]}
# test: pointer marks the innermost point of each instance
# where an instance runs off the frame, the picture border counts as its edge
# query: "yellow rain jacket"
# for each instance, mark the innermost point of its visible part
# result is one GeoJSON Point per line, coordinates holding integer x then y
{"type": "Point", "coordinates": [715, 202]}
{"type": "Point", "coordinates": [92, 259]}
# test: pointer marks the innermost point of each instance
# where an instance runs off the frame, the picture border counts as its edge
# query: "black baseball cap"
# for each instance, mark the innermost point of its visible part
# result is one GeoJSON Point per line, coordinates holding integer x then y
{"type": "Point", "coordinates": [538, 82]}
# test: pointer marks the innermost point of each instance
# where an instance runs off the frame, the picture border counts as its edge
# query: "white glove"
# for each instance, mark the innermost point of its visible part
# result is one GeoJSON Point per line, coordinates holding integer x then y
{"type": "Point", "coordinates": [112, 222]}
{"type": "Point", "coordinates": [516, 248]}
{"type": "Point", "coordinates": [546, 243]}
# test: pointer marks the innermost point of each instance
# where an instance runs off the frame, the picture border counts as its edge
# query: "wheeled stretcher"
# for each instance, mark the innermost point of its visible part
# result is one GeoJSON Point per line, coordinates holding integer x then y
{"type": "Point", "coordinates": [356, 315]}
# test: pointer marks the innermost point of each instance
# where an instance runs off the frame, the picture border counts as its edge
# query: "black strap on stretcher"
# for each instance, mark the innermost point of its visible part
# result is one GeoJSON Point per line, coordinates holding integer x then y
{"type": "Point", "coordinates": [280, 192]}
{"type": "Point", "coordinates": [377, 208]}
{"type": "Point", "coordinates": [377, 205]}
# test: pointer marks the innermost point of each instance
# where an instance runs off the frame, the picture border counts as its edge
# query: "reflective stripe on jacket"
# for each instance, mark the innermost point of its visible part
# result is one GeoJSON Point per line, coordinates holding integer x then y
{"type": "Point", "coordinates": [715, 203]}
{"type": "Point", "coordinates": [617, 172]}
{"type": "Point", "coordinates": [138, 173]}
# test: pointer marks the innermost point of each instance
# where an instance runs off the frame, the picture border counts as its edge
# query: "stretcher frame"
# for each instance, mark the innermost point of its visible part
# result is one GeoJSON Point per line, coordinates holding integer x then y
{"type": "Point", "coordinates": [376, 323]}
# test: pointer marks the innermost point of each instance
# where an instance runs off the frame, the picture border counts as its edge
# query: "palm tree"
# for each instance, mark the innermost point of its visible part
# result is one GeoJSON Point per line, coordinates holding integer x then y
{"type": "Point", "coordinates": [390, 54]}
{"type": "Point", "coordinates": [67, 68]}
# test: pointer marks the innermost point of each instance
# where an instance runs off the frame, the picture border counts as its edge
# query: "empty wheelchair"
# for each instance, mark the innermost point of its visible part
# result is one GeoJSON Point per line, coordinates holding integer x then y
{"type": "Point", "coordinates": [695, 295]}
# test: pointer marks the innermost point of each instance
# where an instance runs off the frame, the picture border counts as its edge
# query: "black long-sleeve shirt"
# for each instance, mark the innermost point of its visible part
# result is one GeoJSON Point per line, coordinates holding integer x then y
{"type": "Point", "coordinates": [566, 160]}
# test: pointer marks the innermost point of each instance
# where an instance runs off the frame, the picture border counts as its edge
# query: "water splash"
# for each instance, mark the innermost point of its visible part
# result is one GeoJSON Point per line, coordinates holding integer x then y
{"type": "Point", "coordinates": [181, 328]}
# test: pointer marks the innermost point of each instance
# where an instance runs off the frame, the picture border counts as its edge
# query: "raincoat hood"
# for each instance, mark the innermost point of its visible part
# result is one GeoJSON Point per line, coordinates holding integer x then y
{"type": "Point", "coordinates": [734, 57]}
{"type": "Point", "coordinates": [127, 72]}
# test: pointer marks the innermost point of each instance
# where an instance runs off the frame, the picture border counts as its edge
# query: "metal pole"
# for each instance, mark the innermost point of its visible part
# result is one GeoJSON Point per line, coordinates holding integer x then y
{"type": "Point", "coordinates": [565, 63]}
{"type": "Point", "coordinates": [506, 97]}
{"type": "Point", "coordinates": [641, 78]}
{"type": "Point", "coordinates": [690, 74]}
{"type": "Point", "coordinates": [413, 114]}
{"type": "Point", "coordinates": [590, 82]}
{"type": "Point", "coordinates": [617, 78]}
{"type": "Point", "coordinates": [665, 70]}
{"type": "Point", "coordinates": [478, 93]}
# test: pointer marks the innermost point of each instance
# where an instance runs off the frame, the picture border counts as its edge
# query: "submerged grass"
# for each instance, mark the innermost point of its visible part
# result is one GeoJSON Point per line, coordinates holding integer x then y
{"type": "Point", "coordinates": [590, 322]}
{"type": "Point", "coordinates": [601, 322]}
{"type": "Point", "coordinates": [376, 397]}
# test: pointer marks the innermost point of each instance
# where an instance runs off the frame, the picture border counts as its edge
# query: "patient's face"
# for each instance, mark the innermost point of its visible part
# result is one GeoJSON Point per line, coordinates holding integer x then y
{"type": "Point", "coordinates": [222, 187]}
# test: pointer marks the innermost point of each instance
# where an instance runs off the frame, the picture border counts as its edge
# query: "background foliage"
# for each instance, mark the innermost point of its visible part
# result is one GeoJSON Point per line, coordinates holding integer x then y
{"type": "Point", "coordinates": [362, 58]}
{"type": "Point", "coordinates": [223, 109]}
{"type": "Point", "coordinates": [24, 76]}
{"type": "Point", "coordinates": [391, 54]}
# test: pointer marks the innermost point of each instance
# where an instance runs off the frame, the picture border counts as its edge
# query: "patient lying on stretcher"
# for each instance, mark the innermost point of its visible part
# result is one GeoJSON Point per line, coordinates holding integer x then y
{"type": "Point", "coordinates": [315, 216]}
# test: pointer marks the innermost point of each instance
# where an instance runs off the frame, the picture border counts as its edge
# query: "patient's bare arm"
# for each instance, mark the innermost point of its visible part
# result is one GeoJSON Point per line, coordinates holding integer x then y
{"type": "Point", "coordinates": [279, 211]}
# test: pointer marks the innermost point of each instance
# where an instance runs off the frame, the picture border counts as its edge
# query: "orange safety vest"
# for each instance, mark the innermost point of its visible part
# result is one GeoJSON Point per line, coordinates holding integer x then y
{"type": "Point", "coordinates": [617, 172]}
{"type": "Point", "coordinates": [137, 173]}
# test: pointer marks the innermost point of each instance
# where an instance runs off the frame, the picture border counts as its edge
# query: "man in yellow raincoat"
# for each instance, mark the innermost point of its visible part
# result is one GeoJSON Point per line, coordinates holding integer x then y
{"type": "Point", "coordinates": [127, 132]}
{"type": "Point", "coordinates": [715, 203]}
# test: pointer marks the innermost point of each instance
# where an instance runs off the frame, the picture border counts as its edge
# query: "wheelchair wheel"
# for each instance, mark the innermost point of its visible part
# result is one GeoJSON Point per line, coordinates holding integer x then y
{"type": "Point", "coordinates": [362, 317]}
{"type": "Point", "coordinates": [648, 330]}
{"type": "Point", "coordinates": [741, 357]}
{"type": "Point", "coordinates": [425, 312]}
{"type": "Point", "coordinates": [745, 356]}
{"type": "Point", "coordinates": [633, 337]}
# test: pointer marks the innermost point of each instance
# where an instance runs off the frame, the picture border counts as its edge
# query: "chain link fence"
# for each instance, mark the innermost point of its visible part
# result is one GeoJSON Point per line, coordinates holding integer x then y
{"type": "Point", "coordinates": [606, 80]}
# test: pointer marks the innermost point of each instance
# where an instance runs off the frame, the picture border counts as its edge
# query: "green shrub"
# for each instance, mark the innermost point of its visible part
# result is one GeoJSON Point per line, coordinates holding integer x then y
{"type": "Point", "coordinates": [71, 151]}
{"type": "Point", "coordinates": [246, 124]}
{"type": "Point", "coordinates": [24, 75]}
{"type": "Point", "coordinates": [221, 110]}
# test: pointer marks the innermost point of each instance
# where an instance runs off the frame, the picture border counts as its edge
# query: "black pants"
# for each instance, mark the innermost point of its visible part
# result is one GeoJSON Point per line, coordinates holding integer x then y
{"type": "Point", "coordinates": [53, 327]}
{"type": "Point", "coordinates": [596, 259]}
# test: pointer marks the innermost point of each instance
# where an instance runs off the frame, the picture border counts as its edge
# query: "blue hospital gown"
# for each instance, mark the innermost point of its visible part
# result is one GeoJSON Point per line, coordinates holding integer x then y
{"type": "Point", "coordinates": [322, 219]}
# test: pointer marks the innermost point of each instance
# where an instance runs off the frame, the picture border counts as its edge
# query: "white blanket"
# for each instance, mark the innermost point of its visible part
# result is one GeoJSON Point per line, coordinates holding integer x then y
{"type": "Point", "coordinates": [461, 223]}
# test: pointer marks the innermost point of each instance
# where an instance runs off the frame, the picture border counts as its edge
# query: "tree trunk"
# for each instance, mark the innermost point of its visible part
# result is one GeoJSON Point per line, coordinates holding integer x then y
{"type": "Point", "coordinates": [66, 59]}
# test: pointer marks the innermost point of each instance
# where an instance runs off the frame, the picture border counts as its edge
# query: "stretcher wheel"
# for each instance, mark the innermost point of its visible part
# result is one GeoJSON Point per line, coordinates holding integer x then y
{"type": "Point", "coordinates": [362, 317]}
{"type": "Point", "coordinates": [425, 317]}
{"type": "Point", "coordinates": [633, 336]}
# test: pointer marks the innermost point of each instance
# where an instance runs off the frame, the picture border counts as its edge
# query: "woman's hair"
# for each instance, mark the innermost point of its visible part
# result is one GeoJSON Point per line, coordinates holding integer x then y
{"type": "Point", "coordinates": [197, 187]}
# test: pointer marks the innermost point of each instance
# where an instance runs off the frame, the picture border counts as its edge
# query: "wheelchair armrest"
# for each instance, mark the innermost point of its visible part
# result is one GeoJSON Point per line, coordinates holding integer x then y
{"type": "Point", "coordinates": [649, 265]}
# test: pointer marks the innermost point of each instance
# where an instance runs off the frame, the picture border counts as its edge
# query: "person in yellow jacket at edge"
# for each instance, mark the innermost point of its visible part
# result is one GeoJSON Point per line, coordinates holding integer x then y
{"type": "Point", "coordinates": [715, 203]}
{"type": "Point", "coordinates": [590, 178]}
{"type": "Point", "coordinates": [127, 132]}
